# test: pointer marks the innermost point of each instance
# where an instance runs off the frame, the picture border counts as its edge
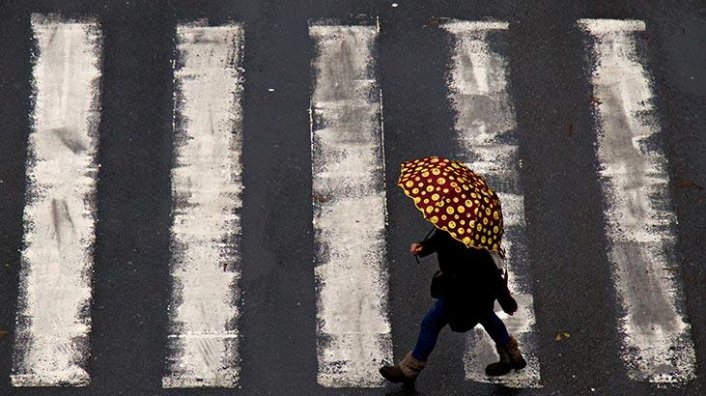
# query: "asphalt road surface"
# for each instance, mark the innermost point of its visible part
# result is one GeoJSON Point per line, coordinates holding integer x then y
{"type": "Point", "coordinates": [199, 197]}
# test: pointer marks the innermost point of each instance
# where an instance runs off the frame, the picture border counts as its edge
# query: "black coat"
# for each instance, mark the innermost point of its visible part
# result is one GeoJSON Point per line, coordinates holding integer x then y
{"type": "Point", "coordinates": [473, 279]}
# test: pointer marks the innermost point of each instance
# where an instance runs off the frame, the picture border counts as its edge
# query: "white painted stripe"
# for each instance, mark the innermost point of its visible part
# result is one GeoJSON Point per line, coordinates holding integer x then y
{"type": "Point", "coordinates": [53, 323]}
{"type": "Point", "coordinates": [207, 187]}
{"type": "Point", "coordinates": [640, 221]}
{"type": "Point", "coordinates": [201, 336]}
{"type": "Point", "coordinates": [602, 26]}
{"type": "Point", "coordinates": [349, 208]}
{"type": "Point", "coordinates": [488, 137]}
{"type": "Point", "coordinates": [460, 27]}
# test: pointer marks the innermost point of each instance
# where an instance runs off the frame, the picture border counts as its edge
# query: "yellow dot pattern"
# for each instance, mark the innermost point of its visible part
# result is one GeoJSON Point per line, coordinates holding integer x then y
{"type": "Point", "coordinates": [469, 211]}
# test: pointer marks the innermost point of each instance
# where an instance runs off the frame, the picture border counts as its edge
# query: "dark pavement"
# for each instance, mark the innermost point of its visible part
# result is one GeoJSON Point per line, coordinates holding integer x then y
{"type": "Point", "coordinates": [550, 88]}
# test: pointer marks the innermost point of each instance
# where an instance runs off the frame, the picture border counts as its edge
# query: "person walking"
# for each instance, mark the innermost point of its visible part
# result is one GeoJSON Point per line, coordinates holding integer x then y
{"type": "Point", "coordinates": [468, 226]}
{"type": "Point", "coordinates": [466, 287]}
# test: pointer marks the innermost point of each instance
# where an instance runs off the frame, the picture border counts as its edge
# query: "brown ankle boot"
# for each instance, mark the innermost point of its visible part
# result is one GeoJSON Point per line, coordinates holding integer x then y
{"type": "Point", "coordinates": [502, 366]}
{"type": "Point", "coordinates": [516, 360]}
{"type": "Point", "coordinates": [406, 371]}
{"type": "Point", "coordinates": [510, 358]}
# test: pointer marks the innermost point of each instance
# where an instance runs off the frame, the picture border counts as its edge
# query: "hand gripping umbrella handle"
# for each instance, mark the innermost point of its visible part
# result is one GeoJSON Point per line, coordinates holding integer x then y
{"type": "Point", "coordinates": [424, 240]}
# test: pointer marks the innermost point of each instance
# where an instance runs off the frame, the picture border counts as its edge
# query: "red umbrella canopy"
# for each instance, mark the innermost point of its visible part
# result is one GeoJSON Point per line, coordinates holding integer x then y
{"type": "Point", "coordinates": [454, 199]}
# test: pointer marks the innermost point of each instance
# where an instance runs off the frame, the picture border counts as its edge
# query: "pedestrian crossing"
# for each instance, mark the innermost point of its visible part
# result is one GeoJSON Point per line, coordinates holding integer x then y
{"type": "Point", "coordinates": [54, 321]}
{"type": "Point", "coordinates": [487, 139]}
{"type": "Point", "coordinates": [207, 186]}
{"type": "Point", "coordinates": [354, 336]}
{"type": "Point", "coordinates": [639, 214]}
{"type": "Point", "coordinates": [348, 201]}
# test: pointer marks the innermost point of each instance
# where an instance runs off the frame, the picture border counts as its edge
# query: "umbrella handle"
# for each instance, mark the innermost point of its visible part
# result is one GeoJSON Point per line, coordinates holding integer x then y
{"type": "Point", "coordinates": [428, 235]}
{"type": "Point", "coordinates": [424, 240]}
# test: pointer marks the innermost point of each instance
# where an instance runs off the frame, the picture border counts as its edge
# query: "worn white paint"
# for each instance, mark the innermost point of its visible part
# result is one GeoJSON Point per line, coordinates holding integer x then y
{"type": "Point", "coordinates": [487, 137]}
{"type": "Point", "coordinates": [639, 217]}
{"type": "Point", "coordinates": [207, 186]}
{"type": "Point", "coordinates": [53, 323]}
{"type": "Point", "coordinates": [354, 336]}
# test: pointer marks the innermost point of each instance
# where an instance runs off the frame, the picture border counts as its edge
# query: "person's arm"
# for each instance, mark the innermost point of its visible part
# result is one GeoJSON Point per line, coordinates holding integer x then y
{"type": "Point", "coordinates": [426, 247]}
{"type": "Point", "coordinates": [502, 293]}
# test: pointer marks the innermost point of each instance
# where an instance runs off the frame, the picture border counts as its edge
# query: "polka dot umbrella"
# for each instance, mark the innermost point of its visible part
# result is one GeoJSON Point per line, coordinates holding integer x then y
{"type": "Point", "coordinates": [454, 199]}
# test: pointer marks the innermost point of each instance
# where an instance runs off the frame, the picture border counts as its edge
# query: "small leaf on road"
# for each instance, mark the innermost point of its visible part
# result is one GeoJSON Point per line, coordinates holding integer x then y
{"type": "Point", "coordinates": [562, 336]}
{"type": "Point", "coordinates": [3, 334]}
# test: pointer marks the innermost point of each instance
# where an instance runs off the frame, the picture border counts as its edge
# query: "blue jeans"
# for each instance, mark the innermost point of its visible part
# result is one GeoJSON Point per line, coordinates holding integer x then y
{"type": "Point", "coordinates": [438, 317]}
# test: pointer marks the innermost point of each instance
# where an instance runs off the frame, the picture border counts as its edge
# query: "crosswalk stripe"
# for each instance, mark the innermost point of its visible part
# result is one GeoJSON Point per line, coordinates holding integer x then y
{"type": "Point", "coordinates": [53, 322]}
{"type": "Point", "coordinates": [207, 186]}
{"type": "Point", "coordinates": [353, 336]}
{"type": "Point", "coordinates": [487, 136]}
{"type": "Point", "coordinates": [639, 219]}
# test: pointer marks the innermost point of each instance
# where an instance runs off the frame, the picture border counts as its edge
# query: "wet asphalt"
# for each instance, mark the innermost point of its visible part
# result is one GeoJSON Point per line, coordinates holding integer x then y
{"type": "Point", "coordinates": [551, 92]}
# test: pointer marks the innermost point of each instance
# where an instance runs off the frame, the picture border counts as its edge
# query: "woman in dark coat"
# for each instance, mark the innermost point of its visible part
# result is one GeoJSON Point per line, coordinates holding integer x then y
{"type": "Point", "coordinates": [466, 288]}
